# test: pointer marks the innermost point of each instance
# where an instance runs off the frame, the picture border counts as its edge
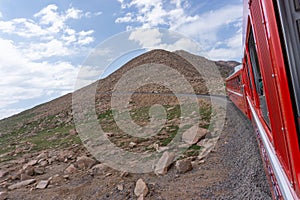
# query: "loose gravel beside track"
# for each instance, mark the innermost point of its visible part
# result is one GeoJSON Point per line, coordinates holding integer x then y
{"type": "Point", "coordinates": [233, 170]}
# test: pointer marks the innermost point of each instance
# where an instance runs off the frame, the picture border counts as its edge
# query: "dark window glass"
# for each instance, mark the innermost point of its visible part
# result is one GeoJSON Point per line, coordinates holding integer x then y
{"type": "Point", "coordinates": [258, 82]}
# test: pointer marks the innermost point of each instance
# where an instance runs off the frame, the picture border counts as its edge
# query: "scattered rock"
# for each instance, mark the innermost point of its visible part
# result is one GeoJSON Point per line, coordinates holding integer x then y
{"type": "Point", "coordinates": [132, 144]}
{"type": "Point", "coordinates": [155, 146]}
{"type": "Point", "coordinates": [44, 163]}
{"type": "Point", "coordinates": [21, 184]}
{"type": "Point", "coordinates": [4, 184]}
{"type": "Point", "coordinates": [21, 161]}
{"type": "Point", "coordinates": [141, 188]}
{"type": "Point", "coordinates": [84, 162]}
{"type": "Point", "coordinates": [39, 170]}
{"type": "Point", "coordinates": [202, 143]}
{"type": "Point", "coordinates": [3, 173]}
{"type": "Point", "coordinates": [163, 163]}
{"type": "Point", "coordinates": [209, 135]}
{"type": "Point", "coordinates": [158, 148]}
{"type": "Point", "coordinates": [15, 177]}
{"type": "Point", "coordinates": [42, 155]}
{"type": "Point", "coordinates": [71, 169]}
{"type": "Point", "coordinates": [3, 195]}
{"type": "Point", "coordinates": [201, 161]}
{"type": "Point", "coordinates": [42, 184]}
{"type": "Point", "coordinates": [183, 166]}
{"type": "Point", "coordinates": [161, 149]}
{"type": "Point", "coordinates": [184, 146]}
{"type": "Point", "coordinates": [29, 170]}
{"type": "Point", "coordinates": [66, 176]}
{"type": "Point", "coordinates": [108, 174]}
{"type": "Point", "coordinates": [73, 132]}
{"type": "Point", "coordinates": [120, 187]}
{"type": "Point", "coordinates": [25, 177]}
{"type": "Point", "coordinates": [171, 108]}
{"type": "Point", "coordinates": [141, 197]}
{"type": "Point", "coordinates": [208, 145]}
{"type": "Point", "coordinates": [65, 154]}
{"type": "Point", "coordinates": [52, 159]}
{"type": "Point", "coordinates": [99, 169]}
{"type": "Point", "coordinates": [124, 174]}
{"type": "Point", "coordinates": [30, 163]}
{"type": "Point", "coordinates": [56, 179]}
{"type": "Point", "coordinates": [193, 135]}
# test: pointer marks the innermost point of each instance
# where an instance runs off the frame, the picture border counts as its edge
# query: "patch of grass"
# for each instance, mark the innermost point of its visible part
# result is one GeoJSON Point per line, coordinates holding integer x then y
{"type": "Point", "coordinates": [190, 153]}
{"type": "Point", "coordinates": [140, 114]}
{"type": "Point", "coordinates": [106, 115]}
{"type": "Point", "coordinates": [205, 126]}
{"type": "Point", "coordinates": [171, 134]}
{"type": "Point", "coordinates": [173, 113]}
{"type": "Point", "coordinates": [39, 141]}
{"type": "Point", "coordinates": [122, 144]}
{"type": "Point", "coordinates": [194, 147]}
{"type": "Point", "coordinates": [205, 112]}
{"type": "Point", "coordinates": [193, 150]}
{"type": "Point", "coordinates": [48, 139]}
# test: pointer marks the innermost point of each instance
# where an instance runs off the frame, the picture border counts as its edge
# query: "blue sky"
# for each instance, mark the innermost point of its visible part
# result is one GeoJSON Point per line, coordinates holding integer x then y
{"type": "Point", "coordinates": [44, 44]}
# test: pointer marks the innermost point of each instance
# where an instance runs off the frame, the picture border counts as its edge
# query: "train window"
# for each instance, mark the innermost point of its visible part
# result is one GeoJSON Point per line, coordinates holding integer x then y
{"type": "Point", "coordinates": [248, 76]}
{"type": "Point", "coordinates": [258, 82]}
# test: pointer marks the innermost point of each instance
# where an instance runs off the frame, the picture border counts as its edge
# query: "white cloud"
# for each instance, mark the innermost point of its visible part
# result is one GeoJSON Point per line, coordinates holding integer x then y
{"type": "Point", "coordinates": [23, 79]}
{"type": "Point", "coordinates": [98, 13]}
{"type": "Point", "coordinates": [85, 40]}
{"type": "Point", "coordinates": [85, 37]}
{"type": "Point", "coordinates": [146, 37]}
{"type": "Point", "coordinates": [152, 13]}
{"type": "Point", "coordinates": [73, 13]}
{"type": "Point", "coordinates": [207, 28]}
{"type": "Point", "coordinates": [49, 33]}
{"type": "Point", "coordinates": [7, 27]}
{"type": "Point", "coordinates": [52, 48]}
{"type": "Point", "coordinates": [208, 25]}
{"type": "Point", "coordinates": [127, 18]}
{"type": "Point", "coordinates": [156, 38]}
{"type": "Point", "coordinates": [89, 14]}
{"type": "Point", "coordinates": [232, 48]}
{"type": "Point", "coordinates": [49, 16]}
{"type": "Point", "coordinates": [37, 63]}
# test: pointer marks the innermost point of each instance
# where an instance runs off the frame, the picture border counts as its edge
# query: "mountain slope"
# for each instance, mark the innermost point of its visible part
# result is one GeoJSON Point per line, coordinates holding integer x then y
{"type": "Point", "coordinates": [58, 111]}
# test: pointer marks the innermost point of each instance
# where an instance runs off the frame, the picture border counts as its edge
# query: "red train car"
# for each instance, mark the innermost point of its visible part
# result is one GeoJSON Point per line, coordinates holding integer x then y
{"type": "Point", "coordinates": [270, 82]}
{"type": "Point", "coordinates": [235, 88]}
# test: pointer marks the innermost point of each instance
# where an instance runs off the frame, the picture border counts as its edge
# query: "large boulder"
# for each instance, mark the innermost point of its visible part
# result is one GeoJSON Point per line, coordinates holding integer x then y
{"type": "Point", "coordinates": [183, 166]}
{"type": "Point", "coordinates": [141, 188]}
{"type": "Point", "coordinates": [85, 162]}
{"type": "Point", "coordinates": [163, 163]}
{"type": "Point", "coordinates": [21, 184]}
{"type": "Point", "coordinates": [193, 135]}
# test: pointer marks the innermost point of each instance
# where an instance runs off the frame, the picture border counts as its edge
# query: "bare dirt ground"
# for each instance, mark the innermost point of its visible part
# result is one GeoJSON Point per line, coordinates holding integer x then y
{"type": "Point", "coordinates": [232, 170]}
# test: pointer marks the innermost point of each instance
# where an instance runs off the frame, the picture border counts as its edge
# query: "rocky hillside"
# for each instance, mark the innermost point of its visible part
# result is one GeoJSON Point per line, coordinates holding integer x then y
{"type": "Point", "coordinates": [42, 155]}
{"type": "Point", "coordinates": [58, 112]}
